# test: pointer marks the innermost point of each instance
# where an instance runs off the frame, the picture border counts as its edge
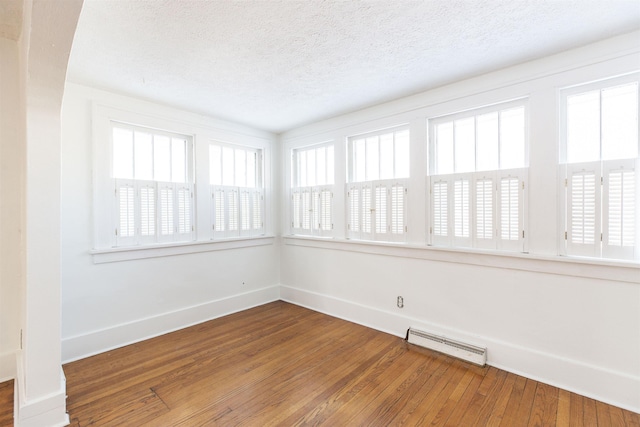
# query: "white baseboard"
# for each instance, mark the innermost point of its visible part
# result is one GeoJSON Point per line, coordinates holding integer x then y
{"type": "Point", "coordinates": [89, 344]}
{"type": "Point", "coordinates": [7, 366]}
{"type": "Point", "coordinates": [616, 388]}
{"type": "Point", "coordinates": [49, 410]}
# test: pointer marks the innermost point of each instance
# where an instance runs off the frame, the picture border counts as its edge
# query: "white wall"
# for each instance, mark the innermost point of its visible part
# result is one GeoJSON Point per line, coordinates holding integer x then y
{"type": "Point", "coordinates": [574, 324]}
{"type": "Point", "coordinates": [11, 159]}
{"type": "Point", "coordinates": [112, 304]}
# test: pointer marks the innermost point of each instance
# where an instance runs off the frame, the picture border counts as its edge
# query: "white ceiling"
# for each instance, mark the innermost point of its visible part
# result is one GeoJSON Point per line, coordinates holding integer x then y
{"type": "Point", "coordinates": [279, 64]}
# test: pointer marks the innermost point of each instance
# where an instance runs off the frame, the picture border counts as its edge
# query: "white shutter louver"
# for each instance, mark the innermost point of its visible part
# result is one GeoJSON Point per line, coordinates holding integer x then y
{"type": "Point", "coordinates": [354, 211]}
{"type": "Point", "coordinates": [125, 192]}
{"type": "Point", "coordinates": [325, 209]}
{"type": "Point", "coordinates": [440, 205]}
{"type": "Point", "coordinates": [484, 209]}
{"type": "Point", "coordinates": [184, 210]}
{"type": "Point", "coordinates": [461, 208]}
{"type": "Point", "coordinates": [397, 209]}
{"type": "Point", "coordinates": [245, 217]}
{"type": "Point", "coordinates": [166, 210]}
{"type": "Point", "coordinates": [509, 210]}
{"type": "Point", "coordinates": [257, 210]}
{"type": "Point", "coordinates": [583, 209]}
{"type": "Point", "coordinates": [295, 207]}
{"type": "Point", "coordinates": [366, 209]}
{"type": "Point", "coordinates": [219, 210]}
{"type": "Point", "coordinates": [232, 212]}
{"type": "Point", "coordinates": [381, 209]}
{"type": "Point", "coordinates": [619, 209]}
{"type": "Point", "coordinates": [306, 210]}
{"type": "Point", "coordinates": [147, 210]}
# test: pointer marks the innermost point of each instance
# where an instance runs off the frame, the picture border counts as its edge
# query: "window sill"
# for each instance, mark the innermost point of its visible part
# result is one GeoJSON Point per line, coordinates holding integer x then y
{"type": "Point", "coordinates": [128, 253]}
{"type": "Point", "coordinates": [577, 267]}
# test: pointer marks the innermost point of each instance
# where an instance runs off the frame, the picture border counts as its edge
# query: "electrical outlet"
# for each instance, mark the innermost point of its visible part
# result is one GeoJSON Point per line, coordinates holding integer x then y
{"type": "Point", "coordinates": [400, 301]}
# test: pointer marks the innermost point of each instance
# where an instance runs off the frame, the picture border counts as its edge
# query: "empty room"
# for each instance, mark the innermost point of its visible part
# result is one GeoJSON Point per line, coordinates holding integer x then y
{"type": "Point", "coordinates": [338, 213]}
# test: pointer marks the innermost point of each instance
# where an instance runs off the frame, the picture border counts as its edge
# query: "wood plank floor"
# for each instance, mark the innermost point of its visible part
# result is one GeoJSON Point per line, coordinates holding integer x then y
{"type": "Point", "coordinates": [283, 365]}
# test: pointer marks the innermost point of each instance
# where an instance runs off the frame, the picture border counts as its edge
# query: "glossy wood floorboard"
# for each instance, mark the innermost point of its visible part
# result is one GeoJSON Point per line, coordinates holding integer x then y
{"type": "Point", "coordinates": [283, 365]}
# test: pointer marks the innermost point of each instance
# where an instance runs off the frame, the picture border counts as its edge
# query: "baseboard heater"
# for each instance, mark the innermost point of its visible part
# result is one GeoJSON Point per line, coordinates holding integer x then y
{"type": "Point", "coordinates": [470, 353]}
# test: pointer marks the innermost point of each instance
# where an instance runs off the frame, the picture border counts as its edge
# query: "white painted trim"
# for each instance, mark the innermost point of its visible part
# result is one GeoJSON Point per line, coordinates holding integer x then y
{"type": "Point", "coordinates": [563, 266]}
{"type": "Point", "coordinates": [95, 342]}
{"type": "Point", "coordinates": [48, 410]}
{"type": "Point", "coordinates": [613, 387]}
{"type": "Point", "coordinates": [7, 366]}
{"type": "Point", "coordinates": [101, 256]}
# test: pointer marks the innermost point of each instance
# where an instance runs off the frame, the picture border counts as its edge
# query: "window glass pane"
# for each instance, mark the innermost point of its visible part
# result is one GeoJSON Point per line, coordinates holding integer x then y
{"type": "Point", "coordinates": [386, 156]}
{"type": "Point", "coordinates": [512, 138]}
{"type": "Point", "coordinates": [402, 154]}
{"type": "Point", "coordinates": [444, 148]}
{"type": "Point", "coordinates": [465, 145]}
{"type": "Point", "coordinates": [227, 166]}
{"type": "Point", "coordinates": [620, 122]}
{"type": "Point", "coordinates": [251, 169]}
{"type": "Point", "coordinates": [330, 167]}
{"type": "Point", "coordinates": [178, 160]}
{"type": "Point", "coordinates": [215, 164]}
{"type": "Point", "coordinates": [161, 158]}
{"type": "Point", "coordinates": [321, 156]}
{"type": "Point", "coordinates": [359, 156]}
{"type": "Point", "coordinates": [583, 127]}
{"type": "Point", "coordinates": [373, 160]}
{"type": "Point", "coordinates": [122, 153]}
{"type": "Point", "coordinates": [487, 142]}
{"type": "Point", "coordinates": [241, 168]}
{"type": "Point", "coordinates": [143, 156]}
{"type": "Point", "coordinates": [302, 168]}
{"type": "Point", "coordinates": [311, 167]}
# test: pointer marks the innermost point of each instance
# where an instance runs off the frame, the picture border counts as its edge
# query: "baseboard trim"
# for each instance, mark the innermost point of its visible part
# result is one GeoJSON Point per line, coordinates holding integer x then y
{"type": "Point", "coordinates": [7, 366]}
{"type": "Point", "coordinates": [99, 341]}
{"type": "Point", "coordinates": [48, 410]}
{"type": "Point", "coordinates": [612, 387]}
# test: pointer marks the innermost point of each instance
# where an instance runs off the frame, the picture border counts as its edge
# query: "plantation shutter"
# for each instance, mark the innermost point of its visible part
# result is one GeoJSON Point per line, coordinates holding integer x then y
{"type": "Point", "coordinates": [583, 208]}
{"type": "Point", "coordinates": [398, 206]}
{"type": "Point", "coordinates": [245, 210]}
{"type": "Point", "coordinates": [510, 209]}
{"type": "Point", "coordinates": [381, 209]}
{"type": "Point", "coordinates": [125, 212]}
{"type": "Point", "coordinates": [219, 212]}
{"type": "Point", "coordinates": [185, 224]}
{"type": "Point", "coordinates": [367, 212]}
{"type": "Point", "coordinates": [257, 209]}
{"type": "Point", "coordinates": [484, 208]}
{"type": "Point", "coordinates": [307, 209]}
{"type": "Point", "coordinates": [296, 207]}
{"type": "Point", "coordinates": [147, 192]}
{"type": "Point", "coordinates": [440, 207]}
{"type": "Point", "coordinates": [166, 210]}
{"type": "Point", "coordinates": [325, 199]}
{"type": "Point", "coordinates": [353, 196]}
{"type": "Point", "coordinates": [233, 212]}
{"type": "Point", "coordinates": [619, 214]}
{"type": "Point", "coordinates": [461, 210]}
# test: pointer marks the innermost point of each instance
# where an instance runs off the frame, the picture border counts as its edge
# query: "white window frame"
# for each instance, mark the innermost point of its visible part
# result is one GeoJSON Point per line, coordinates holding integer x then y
{"type": "Point", "coordinates": [231, 217]}
{"type": "Point", "coordinates": [462, 224]}
{"type": "Point", "coordinates": [311, 207]}
{"type": "Point", "coordinates": [596, 244]}
{"type": "Point", "coordinates": [376, 209]}
{"type": "Point", "coordinates": [181, 210]}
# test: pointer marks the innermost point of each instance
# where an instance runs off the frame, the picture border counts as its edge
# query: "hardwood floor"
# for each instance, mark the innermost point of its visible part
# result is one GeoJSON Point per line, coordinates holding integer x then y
{"type": "Point", "coordinates": [283, 365]}
{"type": "Point", "coordinates": [6, 404]}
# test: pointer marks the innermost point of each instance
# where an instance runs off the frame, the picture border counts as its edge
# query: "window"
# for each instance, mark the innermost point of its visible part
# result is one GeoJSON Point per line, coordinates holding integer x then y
{"type": "Point", "coordinates": [153, 178]}
{"type": "Point", "coordinates": [477, 185]}
{"type": "Point", "coordinates": [599, 129]}
{"type": "Point", "coordinates": [377, 188]}
{"type": "Point", "coordinates": [312, 181]}
{"type": "Point", "coordinates": [237, 194]}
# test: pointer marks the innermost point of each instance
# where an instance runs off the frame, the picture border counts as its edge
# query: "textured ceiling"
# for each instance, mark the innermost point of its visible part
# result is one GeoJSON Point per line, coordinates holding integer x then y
{"type": "Point", "coordinates": [276, 65]}
{"type": "Point", "coordinates": [10, 18]}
